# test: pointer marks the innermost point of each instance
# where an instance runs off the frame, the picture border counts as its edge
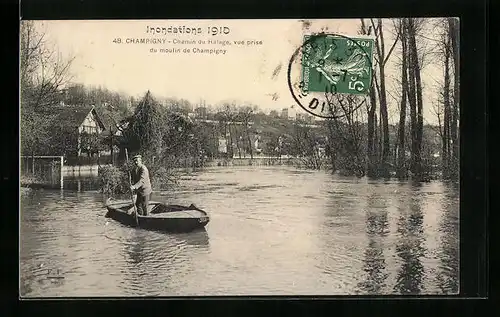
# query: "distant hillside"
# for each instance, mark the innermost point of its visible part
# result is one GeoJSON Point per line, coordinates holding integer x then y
{"type": "Point", "coordinates": [269, 128]}
{"type": "Point", "coordinates": [273, 127]}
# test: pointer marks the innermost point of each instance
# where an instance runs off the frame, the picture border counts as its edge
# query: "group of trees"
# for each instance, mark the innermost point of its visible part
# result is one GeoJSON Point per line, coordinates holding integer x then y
{"type": "Point", "coordinates": [404, 42]}
{"type": "Point", "coordinates": [362, 142]}
{"type": "Point", "coordinates": [46, 80]}
{"type": "Point", "coordinates": [234, 123]}
{"type": "Point", "coordinates": [448, 105]}
{"type": "Point", "coordinates": [43, 73]}
{"type": "Point", "coordinates": [112, 106]}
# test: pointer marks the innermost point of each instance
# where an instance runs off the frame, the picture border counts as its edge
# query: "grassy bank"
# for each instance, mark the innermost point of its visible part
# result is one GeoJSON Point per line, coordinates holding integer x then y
{"type": "Point", "coordinates": [24, 191]}
{"type": "Point", "coordinates": [29, 181]}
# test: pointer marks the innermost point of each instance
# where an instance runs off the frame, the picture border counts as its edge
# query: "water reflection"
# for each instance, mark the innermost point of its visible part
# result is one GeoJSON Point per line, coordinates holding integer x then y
{"type": "Point", "coordinates": [448, 274]}
{"type": "Point", "coordinates": [152, 254]}
{"type": "Point", "coordinates": [409, 245]}
{"type": "Point", "coordinates": [197, 238]}
{"type": "Point", "coordinates": [135, 248]}
{"type": "Point", "coordinates": [320, 235]}
{"type": "Point", "coordinates": [377, 228]}
{"type": "Point", "coordinates": [79, 184]}
{"type": "Point", "coordinates": [142, 243]}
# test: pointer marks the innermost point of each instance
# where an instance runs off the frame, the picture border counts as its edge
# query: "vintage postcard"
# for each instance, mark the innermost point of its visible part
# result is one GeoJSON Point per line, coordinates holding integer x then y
{"type": "Point", "coordinates": [239, 157]}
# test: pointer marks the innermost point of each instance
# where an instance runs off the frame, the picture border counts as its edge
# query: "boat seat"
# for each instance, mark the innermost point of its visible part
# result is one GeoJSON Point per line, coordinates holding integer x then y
{"type": "Point", "coordinates": [158, 209]}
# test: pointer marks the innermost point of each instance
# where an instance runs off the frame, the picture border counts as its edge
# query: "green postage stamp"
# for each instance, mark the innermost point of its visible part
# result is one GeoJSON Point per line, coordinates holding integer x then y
{"type": "Point", "coordinates": [337, 64]}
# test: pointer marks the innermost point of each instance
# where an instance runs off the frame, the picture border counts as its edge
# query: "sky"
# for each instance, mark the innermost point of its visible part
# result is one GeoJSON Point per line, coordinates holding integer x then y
{"type": "Point", "coordinates": [243, 73]}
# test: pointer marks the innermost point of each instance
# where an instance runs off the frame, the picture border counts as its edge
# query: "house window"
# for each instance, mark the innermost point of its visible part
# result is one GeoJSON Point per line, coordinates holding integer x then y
{"type": "Point", "coordinates": [89, 129]}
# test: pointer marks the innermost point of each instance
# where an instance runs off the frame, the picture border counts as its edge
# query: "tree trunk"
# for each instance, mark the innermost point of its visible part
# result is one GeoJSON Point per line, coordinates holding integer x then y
{"type": "Point", "coordinates": [420, 117]}
{"type": "Point", "coordinates": [376, 145]}
{"type": "Point", "coordinates": [33, 164]}
{"type": "Point", "coordinates": [230, 142]}
{"type": "Point", "coordinates": [372, 120]}
{"type": "Point", "coordinates": [380, 143]}
{"type": "Point", "coordinates": [446, 106]}
{"type": "Point", "coordinates": [371, 133]}
{"type": "Point", "coordinates": [331, 144]}
{"type": "Point", "coordinates": [412, 99]}
{"type": "Point", "coordinates": [402, 171]}
{"type": "Point", "coordinates": [247, 134]}
{"type": "Point", "coordinates": [383, 102]}
{"type": "Point", "coordinates": [111, 146]}
{"type": "Point", "coordinates": [250, 145]}
{"type": "Point", "coordinates": [238, 146]}
{"type": "Point", "coordinates": [454, 34]}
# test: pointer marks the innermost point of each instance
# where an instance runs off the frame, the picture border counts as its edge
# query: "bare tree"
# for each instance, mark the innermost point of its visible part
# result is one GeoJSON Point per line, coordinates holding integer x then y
{"type": "Point", "coordinates": [381, 59]}
{"type": "Point", "coordinates": [346, 137]}
{"type": "Point", "coordinates": [302, 142]}
{"type": "Point", "coordinates": [453, 29]}
{"type": "Point", "coordinates": [44, 72]}
{"type": "Point", "coordinates": [414, 25]}
{"type": "Point", "coordinates": [448, 96]}
{"type": "Point", "coordinates": [227, 117]}
{"type": "Point", "coordinates": [372, 120]}
{"type": "Point", "coordinates": [31, 48]}
{"type": "Point", "coordinates": [401, 173]}
{"type": "Point", "coordinates": [446, 146]}
{"type": "Point", "coordinates": [379, 82]}
{"type": "Point", "coordinates": [245, 114]}
{"type": "Point", "coordinates": [413, 28]}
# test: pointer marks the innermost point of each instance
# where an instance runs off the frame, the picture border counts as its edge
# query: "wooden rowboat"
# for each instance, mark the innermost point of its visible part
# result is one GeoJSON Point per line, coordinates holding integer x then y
{"type": "Point", "coordinates": [161, 217]}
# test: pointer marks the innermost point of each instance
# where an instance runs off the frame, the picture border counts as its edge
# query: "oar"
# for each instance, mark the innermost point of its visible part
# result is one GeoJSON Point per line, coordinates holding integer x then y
{"type": "Point", "coordinates": [131, 192]}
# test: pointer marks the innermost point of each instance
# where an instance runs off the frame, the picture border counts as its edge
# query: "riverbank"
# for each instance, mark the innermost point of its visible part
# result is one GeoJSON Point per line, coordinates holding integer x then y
{"type": "Point", "coordinates": [248, 161]}
{"type": "Point", "coordinates": [29, 181]}
{"type": "Point", "coordinates": [81, 181]}
{"type": "Point", "coordinates": [297, 162]}
{"type": "Point", "coordinates": [24, 191]}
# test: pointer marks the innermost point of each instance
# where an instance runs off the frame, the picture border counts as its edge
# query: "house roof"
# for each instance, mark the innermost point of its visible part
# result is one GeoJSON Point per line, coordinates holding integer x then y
{"type": "Point", "coordinates": [106, 120]}
{"type": "Point", "coordinates": [72, 116]}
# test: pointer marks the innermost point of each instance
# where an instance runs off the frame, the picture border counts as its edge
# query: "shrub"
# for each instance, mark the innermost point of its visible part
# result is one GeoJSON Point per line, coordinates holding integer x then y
{"type": "Point", "coordinates": [163, 177]}
{"type": "Point", "coordinates": [24, 191]}
{"type": "Point", "coordinates": [27, 180]}
{"type": "Point", "coordinates": [113, 179]}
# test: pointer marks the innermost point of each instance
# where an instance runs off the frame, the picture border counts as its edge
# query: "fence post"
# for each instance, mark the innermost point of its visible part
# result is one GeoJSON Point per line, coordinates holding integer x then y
{"type": "Point", "coordinates": [62, 164]}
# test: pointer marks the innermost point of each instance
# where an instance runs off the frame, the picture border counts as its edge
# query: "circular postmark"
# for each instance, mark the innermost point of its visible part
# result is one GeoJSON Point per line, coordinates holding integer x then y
{"type": "Point", "coordinates": [330, 75]}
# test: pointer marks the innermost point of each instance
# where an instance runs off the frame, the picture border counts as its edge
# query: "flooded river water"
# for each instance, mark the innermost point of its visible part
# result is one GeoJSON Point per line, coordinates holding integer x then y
{"type": "Point", "coordinates": [273, 231]}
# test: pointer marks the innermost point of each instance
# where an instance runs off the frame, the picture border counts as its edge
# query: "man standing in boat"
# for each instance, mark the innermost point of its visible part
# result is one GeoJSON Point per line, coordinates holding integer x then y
{"type": "Point", "coordinates": [141, 185]}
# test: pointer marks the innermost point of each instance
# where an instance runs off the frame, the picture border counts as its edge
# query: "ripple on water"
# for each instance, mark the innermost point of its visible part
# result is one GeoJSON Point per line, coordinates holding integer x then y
{"type": "Point", "coordinates": [293, 232]}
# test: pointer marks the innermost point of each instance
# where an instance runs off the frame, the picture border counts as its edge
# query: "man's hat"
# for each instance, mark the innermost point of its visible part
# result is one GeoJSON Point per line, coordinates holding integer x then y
{"type": "Point", "coordinates": [138, 156]}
